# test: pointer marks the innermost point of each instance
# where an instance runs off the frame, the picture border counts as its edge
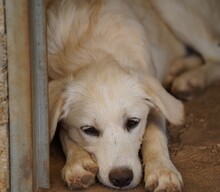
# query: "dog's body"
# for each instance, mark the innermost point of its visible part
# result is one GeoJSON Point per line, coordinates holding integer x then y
{"type": "Point", "coordinates": [105, 59]}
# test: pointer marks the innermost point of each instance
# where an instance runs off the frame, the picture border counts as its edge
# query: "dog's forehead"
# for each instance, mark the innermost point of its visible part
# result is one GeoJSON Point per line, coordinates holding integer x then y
{"type": "Point", "coordinates": [104, 101]}
{"type": "Point", "coordinates": [110, 103]}
{"type": "Point", "coordinates": [114, 92]}
{"type": "Point", "coordinates": [105, 93]}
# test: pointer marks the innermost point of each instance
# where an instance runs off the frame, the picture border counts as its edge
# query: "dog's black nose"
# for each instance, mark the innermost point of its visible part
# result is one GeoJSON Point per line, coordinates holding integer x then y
{"type": "Point", "coordinates": [121, 176]}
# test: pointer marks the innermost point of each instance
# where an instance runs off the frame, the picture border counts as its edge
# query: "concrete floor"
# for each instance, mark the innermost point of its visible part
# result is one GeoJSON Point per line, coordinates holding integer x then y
{"type": "Point", "coordinates": [194, 148]}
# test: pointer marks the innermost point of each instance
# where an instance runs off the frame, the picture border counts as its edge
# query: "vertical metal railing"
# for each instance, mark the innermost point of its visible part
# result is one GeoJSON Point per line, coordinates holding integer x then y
{"type": "Point", "coordinates": [27, 79]}
{"type": "Point", "coordinates": [39, 90]}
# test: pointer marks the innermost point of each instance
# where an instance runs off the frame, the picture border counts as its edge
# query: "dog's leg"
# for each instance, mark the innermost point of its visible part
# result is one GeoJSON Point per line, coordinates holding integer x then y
{"type": "Point", "coordinates": [160, 173]}
{"type": "Point", "coordinates": [180, 66]}
{"type": "Point", "coordinates": [191, 82]}
{"type": "Point", "coordinates": [80, 169]}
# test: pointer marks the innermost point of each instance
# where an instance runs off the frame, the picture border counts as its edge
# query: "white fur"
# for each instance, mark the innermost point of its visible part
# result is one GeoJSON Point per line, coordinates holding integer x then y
{"type": "Point", "coordinates": [107, 60]}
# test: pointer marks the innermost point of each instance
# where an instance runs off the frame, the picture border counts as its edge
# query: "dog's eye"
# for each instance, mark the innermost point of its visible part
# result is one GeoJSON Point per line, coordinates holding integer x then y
{"type": "Point", "coordinates": [90, 130]}
{"type": "Point", "coordinates": [131, 123]}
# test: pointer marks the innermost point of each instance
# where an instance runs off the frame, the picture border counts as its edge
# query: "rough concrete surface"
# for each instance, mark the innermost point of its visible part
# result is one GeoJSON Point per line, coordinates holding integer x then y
{"type": "Point", "coordinates": [194, 148]}
{"type": "Point", "coordinates": [3, 106]}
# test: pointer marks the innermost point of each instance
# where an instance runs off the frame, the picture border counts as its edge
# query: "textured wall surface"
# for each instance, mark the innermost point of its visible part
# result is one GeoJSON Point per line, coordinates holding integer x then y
{"type": "Point", "coordinates": [3, 106]}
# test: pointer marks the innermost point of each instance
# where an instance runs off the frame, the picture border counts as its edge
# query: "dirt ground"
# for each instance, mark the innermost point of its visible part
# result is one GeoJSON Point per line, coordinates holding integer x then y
{"type": "Point", "coordinates": [194, 148]}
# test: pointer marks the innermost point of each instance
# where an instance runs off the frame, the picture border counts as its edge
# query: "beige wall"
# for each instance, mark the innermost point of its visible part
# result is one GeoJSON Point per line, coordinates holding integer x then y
{"type": "Point", "coordinates": [3, 106]}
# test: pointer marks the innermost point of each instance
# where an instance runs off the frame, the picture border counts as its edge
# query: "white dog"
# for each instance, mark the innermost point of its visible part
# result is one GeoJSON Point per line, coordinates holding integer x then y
{"type": "Point", "coordinates": [107, 61]}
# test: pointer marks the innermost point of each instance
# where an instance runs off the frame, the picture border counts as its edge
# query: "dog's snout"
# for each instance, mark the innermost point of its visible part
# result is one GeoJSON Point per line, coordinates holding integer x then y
{"type": "Point", "coordinates": [121, 177]}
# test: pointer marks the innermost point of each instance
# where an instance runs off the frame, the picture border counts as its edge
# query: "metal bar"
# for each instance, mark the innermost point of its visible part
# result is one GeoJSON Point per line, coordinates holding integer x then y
{"type": "Point", "coordinates": [20, 112]}
{"type": "Point", "coordinates": [28, 103]}
{"type": "Point", "coordinates": [40, 98]}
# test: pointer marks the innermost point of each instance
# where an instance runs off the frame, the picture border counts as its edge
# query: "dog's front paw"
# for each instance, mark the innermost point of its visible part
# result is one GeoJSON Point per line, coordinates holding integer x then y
{"type": "Point", "coordinates": [79, 172]}
{"type": "Point", "coordinates": [162, 179]}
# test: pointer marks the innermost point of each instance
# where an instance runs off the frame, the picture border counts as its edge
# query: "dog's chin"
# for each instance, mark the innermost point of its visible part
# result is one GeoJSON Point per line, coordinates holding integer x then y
{"type": "Point", "coordinates": [106, 182]}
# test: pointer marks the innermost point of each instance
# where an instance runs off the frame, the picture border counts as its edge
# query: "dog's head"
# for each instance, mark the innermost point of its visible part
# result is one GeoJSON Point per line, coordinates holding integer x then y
{"type": "Point", "coordinates": [105, 109]}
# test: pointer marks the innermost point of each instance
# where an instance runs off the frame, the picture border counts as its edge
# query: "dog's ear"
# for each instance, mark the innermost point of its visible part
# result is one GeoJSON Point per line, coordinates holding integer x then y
{"type": "Point", "coordinates": [172, 108]}
{"type": "Point", "coordinates": [57, 98]}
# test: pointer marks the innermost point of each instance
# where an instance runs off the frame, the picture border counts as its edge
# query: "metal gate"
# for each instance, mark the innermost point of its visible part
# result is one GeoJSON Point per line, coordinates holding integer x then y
{"type": "Point", "coordinates": [28, 105]}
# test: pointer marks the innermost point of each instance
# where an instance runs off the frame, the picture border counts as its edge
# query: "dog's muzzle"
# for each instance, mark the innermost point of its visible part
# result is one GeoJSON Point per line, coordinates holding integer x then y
{"type": "Point", "coordinates": [121, 176]}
